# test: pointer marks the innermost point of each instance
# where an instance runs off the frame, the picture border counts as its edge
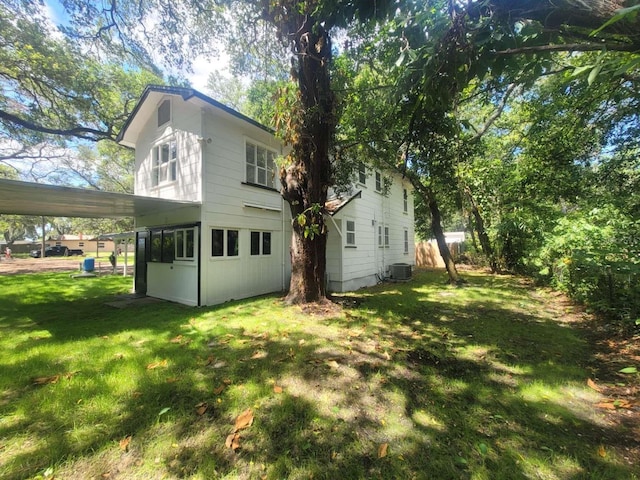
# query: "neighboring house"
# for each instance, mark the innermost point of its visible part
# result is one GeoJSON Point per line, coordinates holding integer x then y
{"type": "Point", "coordinates": [88, 244]}
{"type": "Point", "coordinates": [233, 240]}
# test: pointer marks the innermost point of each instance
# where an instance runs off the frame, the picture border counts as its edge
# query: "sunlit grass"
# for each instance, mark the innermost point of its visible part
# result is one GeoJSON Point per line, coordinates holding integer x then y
{"type": "Point", "coordinates": [479, 382]}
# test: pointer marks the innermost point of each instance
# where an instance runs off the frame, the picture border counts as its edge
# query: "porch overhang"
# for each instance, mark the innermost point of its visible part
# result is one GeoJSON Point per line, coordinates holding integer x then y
{"type": "Point", "coordinates": [26, 198]}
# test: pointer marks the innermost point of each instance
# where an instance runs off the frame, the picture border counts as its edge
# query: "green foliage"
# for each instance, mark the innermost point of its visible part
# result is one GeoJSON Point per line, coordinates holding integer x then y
{"type": "Point", "coordinates": [595, 257]}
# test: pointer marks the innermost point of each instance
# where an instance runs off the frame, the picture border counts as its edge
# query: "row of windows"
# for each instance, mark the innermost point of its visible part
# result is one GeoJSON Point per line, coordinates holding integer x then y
{"type": "Point", "coordinates": [383, 236]}
{"type": "Point", "coordinates": [226, 243]}
{"type": "Point", "coordinates": [169, 244]}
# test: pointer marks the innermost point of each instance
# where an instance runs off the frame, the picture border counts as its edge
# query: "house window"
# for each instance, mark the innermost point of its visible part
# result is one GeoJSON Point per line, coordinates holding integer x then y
{"type": "Point", "coordinates": [164, 112]}
{"type": "Point", "coordinates": [185, 244]}
{"type": "Point", "coordinates": [165, 159]}
{"type": "Point", "coordinates": [406, 241]}
{"type": "Point", "coordinates": [163, 245]}
{"type": "Point", "coordinates": [351, 232]}
{"type": "Point", "coordinates": [260, 164]}
{"type": "Point", "coordinates": [405, 196]}
{"type": "Point", "coordinates": [378, 182]}
{"type": "Point", "coordinates": [386, 236]}
{"type": "Point", "coordinates": [362, 173]}
{"type": "Point", "coordinates": [58, 244]}
{"type": "Point", "coordinates": [260, 243]}
{"type": "Point", "coordinates": [100, 244]}
{"type": "Point", "coordinates": [380, 235]}
{"type": "Point", "coordinates": [81, 244]}
{"type": "Point", "coordinates": [224, 243]}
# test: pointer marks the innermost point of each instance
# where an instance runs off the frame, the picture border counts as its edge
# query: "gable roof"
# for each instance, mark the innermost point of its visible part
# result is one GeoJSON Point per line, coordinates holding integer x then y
{"type": "Point", "coordinates": [153, 94]}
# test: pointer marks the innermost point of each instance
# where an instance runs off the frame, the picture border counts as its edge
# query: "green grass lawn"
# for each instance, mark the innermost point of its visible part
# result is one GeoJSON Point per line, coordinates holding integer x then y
{"type": "Point", "coordinates": [416, 380]}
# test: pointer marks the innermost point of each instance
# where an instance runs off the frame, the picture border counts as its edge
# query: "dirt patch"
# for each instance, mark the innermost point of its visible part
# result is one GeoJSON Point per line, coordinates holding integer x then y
{"type": "Point", "coordinates": [19, 266]}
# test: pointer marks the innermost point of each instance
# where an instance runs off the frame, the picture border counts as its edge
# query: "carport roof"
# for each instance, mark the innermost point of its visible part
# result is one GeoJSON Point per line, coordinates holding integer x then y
{"type": "Point", "coordinates": [25, 198]}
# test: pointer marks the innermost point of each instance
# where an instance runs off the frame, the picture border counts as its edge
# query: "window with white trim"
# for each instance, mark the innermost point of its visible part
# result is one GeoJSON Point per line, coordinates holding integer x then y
{"type": "Point", "coordinates": [185, 244]}
{"type": "Point", "coordinates": [362, 173]}
{"type": "Point", "coordinates": [380, 238]}
{"type": "Point", "coordinates": [260, 243]}
{"type": "Point", "coordinates": [165, 163]}
{"type": "Point", "coordinates": [405, 196]}
{"type": "Point", "coordinates": [351, 233]}
{"type": "Point", "coordinates": [260, 162]}
{"type": "Point", "coordinates": [406, 240]}
{"type": "Point", "coordinates": [225, 243]}
{"type": "Point", "coordinates": [386, 236]}
{"type": "Point", "coordinates": [162, 245]}
{"type": "Point", "coordinates": [378, 182]}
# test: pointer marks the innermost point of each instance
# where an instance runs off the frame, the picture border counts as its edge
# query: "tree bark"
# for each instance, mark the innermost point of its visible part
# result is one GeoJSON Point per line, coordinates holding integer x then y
{"type": "Point", "coordinates": [306, 177]}
{"type": "Point", "coordinates": [485, 243]}
{"type": "Point", "coordinates": [438, 233]}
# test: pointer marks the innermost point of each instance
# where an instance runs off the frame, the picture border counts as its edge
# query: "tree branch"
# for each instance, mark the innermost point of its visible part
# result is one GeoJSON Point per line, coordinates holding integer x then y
{"type": "Point", "coordinates": [79, 132]}
{"type": "Point", "coordinates": [571, 47]}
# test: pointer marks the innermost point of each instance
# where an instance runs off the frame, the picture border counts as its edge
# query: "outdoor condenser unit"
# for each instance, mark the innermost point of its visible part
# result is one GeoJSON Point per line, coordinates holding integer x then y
{"type": "Point", "coordinates": [400, 271]}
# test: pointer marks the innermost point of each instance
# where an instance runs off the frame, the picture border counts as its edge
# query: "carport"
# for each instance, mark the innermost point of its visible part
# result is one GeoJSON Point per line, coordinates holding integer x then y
{"type": "Point", "coordinates": [26, 198]}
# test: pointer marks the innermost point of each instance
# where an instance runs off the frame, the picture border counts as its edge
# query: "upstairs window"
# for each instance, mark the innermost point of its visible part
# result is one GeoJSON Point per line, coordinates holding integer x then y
{"type": "Point", "coordinates": [351, 233]}
{"type": "Point", "coordinates": [378, 182]}
{"type": "Point", "coordinates": [362, 173]}
{"type": "Point", "coordinates": [165, 163]}
{"type": "Point", "coordinates": [405, 196]}
{"type": "Point", "coordinates": [260, 163]}
{"type": "Point", "coordinates": [164, 112]}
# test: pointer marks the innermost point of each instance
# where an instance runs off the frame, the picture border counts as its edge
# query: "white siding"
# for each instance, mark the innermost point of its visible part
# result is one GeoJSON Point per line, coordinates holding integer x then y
{"type": "Point", "coordinates": [368, 263]}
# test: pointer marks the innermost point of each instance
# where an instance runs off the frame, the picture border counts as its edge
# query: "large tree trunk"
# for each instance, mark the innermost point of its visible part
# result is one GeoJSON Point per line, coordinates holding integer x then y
{"type": "Point", "coordinates": [485, 243]}
{"type": "Point", "coordinates": [307, 175]}
{"type": "Point", "coordinates": [438, 233]}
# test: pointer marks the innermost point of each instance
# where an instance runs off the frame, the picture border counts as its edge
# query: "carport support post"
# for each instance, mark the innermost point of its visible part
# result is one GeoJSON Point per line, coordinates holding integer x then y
{"type": "Point", "coordinates": [42, 246]}
{"type": "Point", "coordinates": [126, 251]}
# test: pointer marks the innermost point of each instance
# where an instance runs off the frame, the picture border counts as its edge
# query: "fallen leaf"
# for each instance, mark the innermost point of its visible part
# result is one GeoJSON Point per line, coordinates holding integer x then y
{"type": "Point", "coordinates": [106, 475]}
{"type": "Point", "coordinates": [333, 364]}
{"type": "Point", "coordinates": [277, 389]}
{"type": "Point", "coordinates": [46, 380]}
{"type": "Point", "coordinates": [172, 379]}
{"type": "Point", "coordinates": [201, 408]}
{"type": "Point", "coordinates": [258, 354]}
{"type": "Point", "coordinates": [219, 390]}
{"type": "Point", "coordinates": [593, 385]}
{"type": "Point", "coordinates": [601, 451]}
{"type": "Point", "coordinates": [244, 420]}
{"type": "Point", "coordinates": [210, 360]}
{"type": "Point", "coordinates": [124, 443]}
{"type": "Point", "coordinates": [233, 441]}
{"type": "Point", "coordinates": [177, 339]}
{"type": "Point", "coordinates": [227, 381]}
{"type": "Point", "coordinates": [154, 365]}
{"type": "Point", "coordinates": [382, 450]}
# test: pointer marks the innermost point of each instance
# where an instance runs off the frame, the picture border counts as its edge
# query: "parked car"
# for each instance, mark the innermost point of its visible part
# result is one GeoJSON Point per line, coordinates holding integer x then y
{"type": "Point", "coordinates": [56, 251]}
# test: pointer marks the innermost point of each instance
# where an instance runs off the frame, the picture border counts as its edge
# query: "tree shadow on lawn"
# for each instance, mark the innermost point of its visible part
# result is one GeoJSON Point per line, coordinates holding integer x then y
{"type": "Point", "coordinates": [472, 392]}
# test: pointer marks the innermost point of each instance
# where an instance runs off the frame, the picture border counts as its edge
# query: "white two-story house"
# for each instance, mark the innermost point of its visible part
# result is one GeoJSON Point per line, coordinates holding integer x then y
{"type": "Point", "coordinates": [232, 241]}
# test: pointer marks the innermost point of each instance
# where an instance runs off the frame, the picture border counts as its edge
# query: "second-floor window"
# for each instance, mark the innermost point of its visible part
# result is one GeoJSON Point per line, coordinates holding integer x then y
{"type": "Point", "coordinates": [164, 112]}
{"type": "Point", "coordinates": [165, 163]}
{"type": "Point", "coordinates": [362, 173]}
{"type": "Point", "coordinates": [260, 163]}
{"type": "Point", "coordinates": [405, 195]}
{"type": "Point", "coordinates": [378, 182]}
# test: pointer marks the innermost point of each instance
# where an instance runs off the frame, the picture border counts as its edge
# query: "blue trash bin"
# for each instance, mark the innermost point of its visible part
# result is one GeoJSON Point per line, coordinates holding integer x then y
{"type": "Point", "coordinates": [88, 265]}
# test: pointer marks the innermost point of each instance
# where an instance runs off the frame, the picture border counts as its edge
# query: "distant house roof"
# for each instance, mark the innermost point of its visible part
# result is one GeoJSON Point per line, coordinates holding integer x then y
{"type": "Point", "coordinates": [152, 96]}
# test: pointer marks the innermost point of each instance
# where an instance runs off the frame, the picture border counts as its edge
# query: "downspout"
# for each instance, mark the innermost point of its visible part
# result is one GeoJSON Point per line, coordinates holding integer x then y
{"type": "Point", "coordinates": [284, 250]}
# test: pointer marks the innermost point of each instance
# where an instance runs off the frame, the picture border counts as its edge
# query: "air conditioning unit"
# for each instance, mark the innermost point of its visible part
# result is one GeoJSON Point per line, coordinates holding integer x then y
{"type": "Point", "coordinates": [400, 271]}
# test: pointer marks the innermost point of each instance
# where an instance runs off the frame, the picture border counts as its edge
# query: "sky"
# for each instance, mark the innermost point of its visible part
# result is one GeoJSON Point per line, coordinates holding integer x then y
{"type": "Point", "coordinates": [202, 67]}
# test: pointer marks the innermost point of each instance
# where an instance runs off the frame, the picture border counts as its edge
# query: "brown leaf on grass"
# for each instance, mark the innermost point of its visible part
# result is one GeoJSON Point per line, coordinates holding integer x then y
{"type": "Point", "coordinates": [46, 380]}
{"type": "Point", "coordinates": [177, 339]}
{"type": "Point", "coordinates": [233, 441]}
{"type": "Point", "coordinates": [219, 390]}
{"type": "Point", "coordinates": [172, 379]}
{"type": "Point", "coordinates": [258, 354]}
{"type": "Point", "coordinates": [277, 389]}
{"type": "Point", "coordinates": [592, 384]}
{"type": "Point", "coordinates": [124, 443]}
{"type": "Point", "coordinates": [611, 404]}
{"type": "Point", "coordinates": [227, 381]}
{"type": "Point", "coordinates": [382, 450]}
{"type": "Point", "coordinates": [601, 451]}
{"type": "Point", "coordinates": [201, 408]}
{"type": "Point", "coordinates": [244, 420]}
{"type": "Point", "coordinates": [154, 365]}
